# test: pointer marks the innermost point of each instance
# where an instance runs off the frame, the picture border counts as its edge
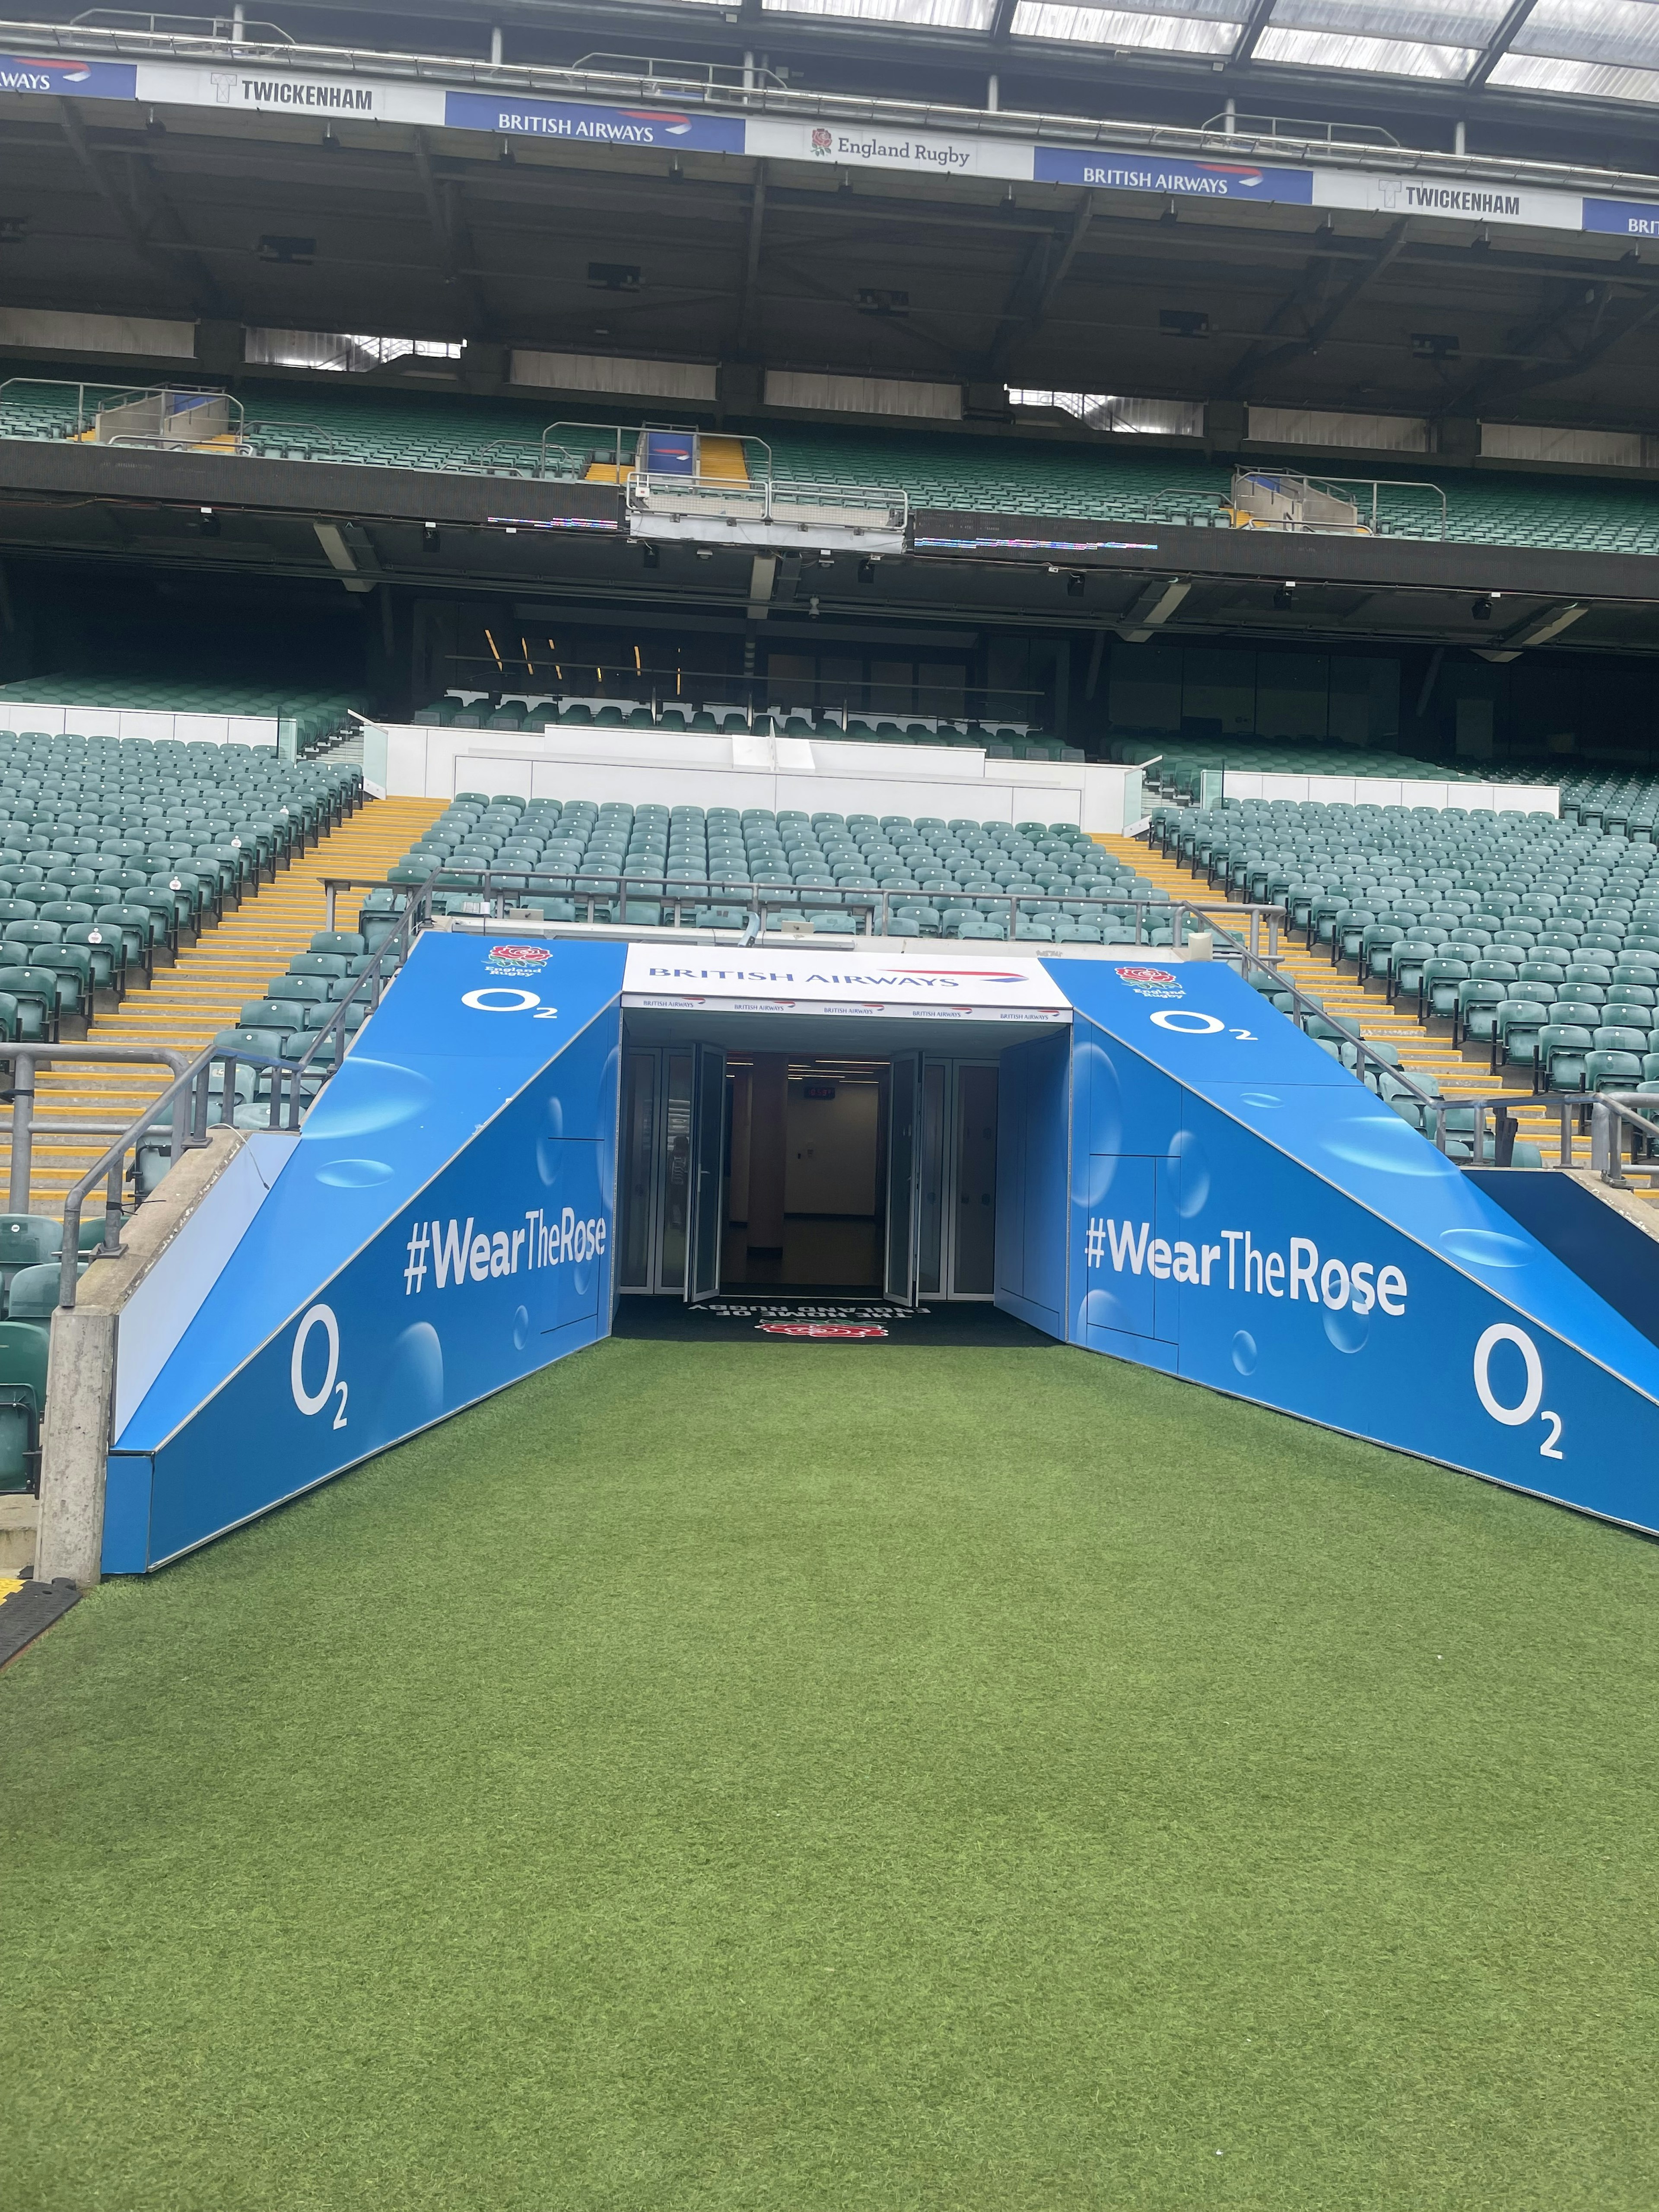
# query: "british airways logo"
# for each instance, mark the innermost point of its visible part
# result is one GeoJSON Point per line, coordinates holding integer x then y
{"type": "Point", "coordinates": [63, 73]}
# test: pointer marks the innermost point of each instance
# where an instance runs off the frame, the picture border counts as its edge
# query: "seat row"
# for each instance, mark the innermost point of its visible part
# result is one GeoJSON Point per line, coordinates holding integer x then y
{"type": "Point", "coordinates": [535, 711]}
{"type": "Point", "coordinates": [101, 881]}
{"type": "Point", "coordinates": [619, 863]}
{"type": "Point", "coordinates": [1535, 937]}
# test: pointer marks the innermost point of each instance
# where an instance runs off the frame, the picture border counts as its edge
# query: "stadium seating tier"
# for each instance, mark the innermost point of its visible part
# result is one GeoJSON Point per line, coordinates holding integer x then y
{"type": "Point", "coordinates": [942, 471]}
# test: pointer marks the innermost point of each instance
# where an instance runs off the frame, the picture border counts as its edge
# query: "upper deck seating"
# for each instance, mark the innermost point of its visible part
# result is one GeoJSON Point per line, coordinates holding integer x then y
{"type": "Point", "coordinates": [950, 472]}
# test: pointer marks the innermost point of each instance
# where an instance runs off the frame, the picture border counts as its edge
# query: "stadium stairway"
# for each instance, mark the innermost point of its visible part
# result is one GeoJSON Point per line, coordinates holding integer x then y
{"type": "Point", "coordinates": [201, 994]}
{"type": "Point", "coordinates": [1345, 999]}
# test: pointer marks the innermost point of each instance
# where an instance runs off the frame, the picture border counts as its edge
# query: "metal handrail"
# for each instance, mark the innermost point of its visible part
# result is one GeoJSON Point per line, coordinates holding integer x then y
{"type": "Point", "coordinates": [26, 1061]}
{"type": "Point", "coordinates": [1611, 1112]}
{"type": "Point", "coordinates": [601, 888]}
{"type": "Point", "coordinates": [1375, 484]}
{"type": "Point", "coordinates": [655, 69]}
{"type": "Point", "coordinates": [188, 1098]}
{"type": "Point", "coordinates": [80, 387]}
{"type": "Point", "coordinates": [878, 905]}
{"type": "Point", "coordinates": [644, 487]}
{"type": "Point", "coordinates": [1297, 129]}
{"type": "Point", "coordinates": [232, 28]}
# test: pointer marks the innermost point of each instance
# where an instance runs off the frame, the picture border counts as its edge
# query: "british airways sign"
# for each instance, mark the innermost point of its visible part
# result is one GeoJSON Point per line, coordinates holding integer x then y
{"type": "Point", "coordinates": [823, 980]}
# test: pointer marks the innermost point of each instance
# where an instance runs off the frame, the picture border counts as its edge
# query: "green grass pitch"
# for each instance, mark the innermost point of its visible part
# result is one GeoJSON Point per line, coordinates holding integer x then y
{"type": "Point", "coordinates": [711, 1779]}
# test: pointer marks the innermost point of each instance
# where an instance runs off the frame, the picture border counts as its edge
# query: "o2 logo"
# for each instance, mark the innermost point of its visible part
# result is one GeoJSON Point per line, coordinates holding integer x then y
{"type": "Point", "coordinates": [1530, 1404]}
{"type": "Point", "coordinates": [502, 998]}
{"type": "Point", "coordinates": [313, 1401]}
{"type": "Point", "coordinates": [1187, 1021]}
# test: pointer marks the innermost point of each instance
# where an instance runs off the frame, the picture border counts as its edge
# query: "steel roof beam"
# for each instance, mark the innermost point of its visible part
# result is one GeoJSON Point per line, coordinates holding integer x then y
{"type": "Point", "coordinates": [1255, 24]}
{"type": "Point", "coordinates": [1498, 44]}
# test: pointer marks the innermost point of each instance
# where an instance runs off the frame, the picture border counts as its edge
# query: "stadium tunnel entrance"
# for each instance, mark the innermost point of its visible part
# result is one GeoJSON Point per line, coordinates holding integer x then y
{"type": "Point", "coordinates": [1176, 1178]}
{"type": "Point", "coordinates": [807, 1155]}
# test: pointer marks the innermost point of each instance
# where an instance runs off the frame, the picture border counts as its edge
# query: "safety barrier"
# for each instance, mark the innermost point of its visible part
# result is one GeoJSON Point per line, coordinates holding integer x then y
{"type": "Point", "coordinates": [186, 1103]}
{"type": "Point", "coordinates": [589, 890]}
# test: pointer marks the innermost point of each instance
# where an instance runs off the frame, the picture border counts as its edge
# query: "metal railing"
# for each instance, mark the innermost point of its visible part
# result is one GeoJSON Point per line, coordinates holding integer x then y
{"type": "Point", "coordinates": [25, 1061]}
{"type": "Point", "coordinates": [603, 899]}
{"type": "Point", "coordinates": [655, 69]}
{"type": "Point", "coordinates": [83, 419]}
{"type": "Point", "coordinates": [186, 1103]}
{"type": "Point", "coordinates": [232, 28]}
{"type": "Point", "coordinates": [1297, 129]}
{"type": "Point", "coordinates": [1323, 485]}
{"type": "Point", "coordinates": [1614, 1116]}
{"type": "Point", "coordinates": [762, 499]}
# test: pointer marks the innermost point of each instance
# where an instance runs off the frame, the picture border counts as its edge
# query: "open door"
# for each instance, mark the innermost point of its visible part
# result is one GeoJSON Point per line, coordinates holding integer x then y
{"type": "Point", "coordinates": [904, 1133]}
{"type": "Point", "coordinates": [703, 1268]}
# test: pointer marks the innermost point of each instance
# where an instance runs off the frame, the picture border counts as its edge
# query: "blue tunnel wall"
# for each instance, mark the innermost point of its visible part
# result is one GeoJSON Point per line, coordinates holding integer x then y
{"type": "Point", "coordinates": [1243, 1214]}
{"type": "Point", "coordinates": [443, 1227]}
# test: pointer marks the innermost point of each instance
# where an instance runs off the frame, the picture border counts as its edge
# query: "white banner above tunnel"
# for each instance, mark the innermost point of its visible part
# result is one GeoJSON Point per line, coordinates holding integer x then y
{"type": "Point", "coordinates": [823, 979]}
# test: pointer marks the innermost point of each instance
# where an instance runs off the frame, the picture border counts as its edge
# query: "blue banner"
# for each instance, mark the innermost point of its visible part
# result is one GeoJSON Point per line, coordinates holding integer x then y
{"type": "Point", "coordinates": [1137, 173]}
{"type": "Point", "coordinates": [444, 1226]}
{"type": "Point", "coordinates": [63, 73]}
{"type": "Point", "coordinates": [1245, 1214]}
{"type": "Point", "coordinates": [1623, 218]}
{"type": "Point", "coordinates": [605, 127]}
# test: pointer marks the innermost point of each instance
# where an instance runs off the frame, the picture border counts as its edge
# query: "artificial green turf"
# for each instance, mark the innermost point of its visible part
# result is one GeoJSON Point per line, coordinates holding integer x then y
{"type": "Point", "coordinates": [982, 1779]}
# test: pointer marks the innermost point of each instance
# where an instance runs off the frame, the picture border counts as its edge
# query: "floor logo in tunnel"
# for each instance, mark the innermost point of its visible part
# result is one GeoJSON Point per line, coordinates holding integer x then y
{"type": "Point", "coordinates": [833, 1329]}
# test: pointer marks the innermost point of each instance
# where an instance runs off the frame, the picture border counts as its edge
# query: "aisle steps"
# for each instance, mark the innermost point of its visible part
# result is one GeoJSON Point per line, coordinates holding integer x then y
{"type": "Point", "coordinates": [188, 1003]}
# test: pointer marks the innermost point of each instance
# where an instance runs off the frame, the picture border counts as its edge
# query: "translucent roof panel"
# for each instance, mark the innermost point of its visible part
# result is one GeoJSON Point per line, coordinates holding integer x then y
{"type": "Point", "coordinates": [926, 15]}
{"type": "Point", "coordinates": [1379, 57]}
{"type": "Point", "coordinates": [1588, 80]}
{"type": "Point", "coordinates": [1419, 22]}
{"type": "Point", "coordinates": [1208, 27]}
{"type": "Point", "coordinates": [1607, 31]}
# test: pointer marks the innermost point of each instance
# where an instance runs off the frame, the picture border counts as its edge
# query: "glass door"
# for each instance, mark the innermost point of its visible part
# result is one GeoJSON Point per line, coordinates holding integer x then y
{"type": "Point", "coordinates": [654, 1170]}
{"type": "Point", "coordinates": [707, 1174]}
{"type": "Point", "coordinates": [973, 1224]}
{"type": "Point", "coordinates": [932, 1178]}
{"type": "Point", "coordinates": [904, 1128]}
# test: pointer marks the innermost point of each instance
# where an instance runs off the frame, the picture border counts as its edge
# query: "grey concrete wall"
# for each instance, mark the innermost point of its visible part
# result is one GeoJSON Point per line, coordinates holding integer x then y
{"type": "Point", "coordinates": [81, 1376]}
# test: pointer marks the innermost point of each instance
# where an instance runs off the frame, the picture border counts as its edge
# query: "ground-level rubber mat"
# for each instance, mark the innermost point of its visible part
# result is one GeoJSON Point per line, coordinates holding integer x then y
{"type": "Point", "coordinates": [27, 1608]}
{"type": "Point", "coordinates": [830, 1319]}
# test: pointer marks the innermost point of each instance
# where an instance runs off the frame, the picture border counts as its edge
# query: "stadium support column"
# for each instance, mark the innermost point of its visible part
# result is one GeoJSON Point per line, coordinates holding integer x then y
{"type": "Point", "coordinates": [75, 1445]}
{"type": "Point", "coordinates": [749, 298]}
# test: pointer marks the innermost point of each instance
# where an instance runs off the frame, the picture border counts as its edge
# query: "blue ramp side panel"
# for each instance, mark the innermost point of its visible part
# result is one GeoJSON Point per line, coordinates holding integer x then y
{"type": "Point", "coordinates": [443, 1227]}
{"type": "Point", "coordinates": [1245, 1214]}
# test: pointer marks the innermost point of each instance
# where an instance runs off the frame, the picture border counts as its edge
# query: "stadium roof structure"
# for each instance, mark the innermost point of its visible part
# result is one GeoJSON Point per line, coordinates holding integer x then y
{"type": "Point", "coordinates": [614, 205]}
{"type": "Point", "coordinates": [1572, 52]}
{"type": "Point", "coordinates": [760, 249]}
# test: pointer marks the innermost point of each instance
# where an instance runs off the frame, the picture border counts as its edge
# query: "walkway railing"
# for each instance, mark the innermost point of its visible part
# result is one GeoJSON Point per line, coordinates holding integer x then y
{"type": "Point", "coordinates": [25, 1062]}
{"type": "Point", "coordinates": [186, 1103]}
{"type": "Point", "coordinates": [600, 899]}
